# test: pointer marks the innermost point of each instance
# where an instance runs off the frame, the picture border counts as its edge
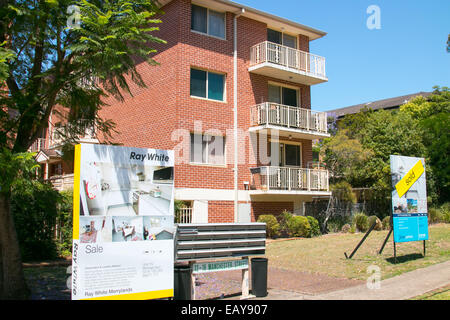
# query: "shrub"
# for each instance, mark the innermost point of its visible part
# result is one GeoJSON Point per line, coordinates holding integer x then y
{"type": "Point", "coordinates": [34, 209]}
{"type": "Point", "coordinates": [445, 211]}
{"type": "Point", "coordinates": [336, 223]}
{"type": "Point", "coordinates": [353, 228]}
{"type": "Point", "coordinates": [315, 229]}
{"type": "Point", "coordinates": [434, 215]}
{"type": "Point", "coordinates": [378, 224]}
{"type": "Point", "coordinates": [386, 222]}
{"type": "Point", "coordinates": [346, 228]}
{"type": "Point", "coordinates": [299, 226]}
{"type": "Point", "coordinates": [361, 221]}
{"type": "Point", "coordinates": [285, 219]}
{"type": "Point", "coordinates": [64, 220]}
{"type": "Point", "coordinates": [272, 225]}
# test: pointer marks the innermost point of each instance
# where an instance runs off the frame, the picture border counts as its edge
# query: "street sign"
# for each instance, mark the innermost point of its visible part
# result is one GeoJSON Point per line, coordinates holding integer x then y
{"type": "Point", "coordinates": [205, 267]}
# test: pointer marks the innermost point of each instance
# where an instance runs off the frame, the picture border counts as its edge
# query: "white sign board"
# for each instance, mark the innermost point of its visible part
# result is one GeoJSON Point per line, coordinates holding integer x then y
{"type": "Point", "coordinates": [123, 223]}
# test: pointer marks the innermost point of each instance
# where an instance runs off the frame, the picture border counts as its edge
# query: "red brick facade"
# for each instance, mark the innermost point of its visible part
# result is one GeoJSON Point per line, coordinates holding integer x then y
{"type": "Point", "coordinates": [149, 118]}
{"type": "Point", "coordinates": [153, 116]}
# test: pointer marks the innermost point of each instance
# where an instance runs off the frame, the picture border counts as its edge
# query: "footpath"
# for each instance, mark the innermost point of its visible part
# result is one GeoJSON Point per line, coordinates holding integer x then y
{"type": "Point", "coordinates": [402, 287]}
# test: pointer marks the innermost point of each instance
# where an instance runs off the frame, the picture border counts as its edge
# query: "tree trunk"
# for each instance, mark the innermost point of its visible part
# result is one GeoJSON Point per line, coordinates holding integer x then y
{"type": "Point", "coordinates": [12, 280]}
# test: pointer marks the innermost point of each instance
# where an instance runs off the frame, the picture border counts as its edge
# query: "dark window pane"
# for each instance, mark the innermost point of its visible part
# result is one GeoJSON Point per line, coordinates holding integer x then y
{"type": "Point", "coordinates": [198, 83]}
{"type": "Point", "coordinates": [289, 41]}
{"type": "Point", "coordinates": [216, 24]}
{"type": "Point", "coordinates": [292, 155]}
{"type": "Point", "coordinates": [198, 18]}
{"type": "Point", "coordinates": [289, 97]}
{"type": "Point", "coordinates": [215, 86]}
{"type": "Point", "coordinates": [273, 36]}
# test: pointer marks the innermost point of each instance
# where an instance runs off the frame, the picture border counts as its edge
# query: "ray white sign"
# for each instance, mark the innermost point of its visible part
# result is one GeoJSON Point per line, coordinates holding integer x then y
{"type": "Point", "coordinates": [123, 223]}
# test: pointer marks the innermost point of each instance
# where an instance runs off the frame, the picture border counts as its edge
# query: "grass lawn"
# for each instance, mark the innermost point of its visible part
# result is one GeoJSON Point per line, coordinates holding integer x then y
{"type": "Point", "coordinates": [325, 254]}
{"type": "Point", "coordinates": [438, 294]}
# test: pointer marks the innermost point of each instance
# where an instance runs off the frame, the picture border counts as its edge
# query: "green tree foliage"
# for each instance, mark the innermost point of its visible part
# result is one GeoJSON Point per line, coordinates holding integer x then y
{"type": "Point", "coordinates": [71, 53]}
{"type": "Point", "coordinates": [359, 152]}
{"type": "Point", "coordinates": [34, 207]}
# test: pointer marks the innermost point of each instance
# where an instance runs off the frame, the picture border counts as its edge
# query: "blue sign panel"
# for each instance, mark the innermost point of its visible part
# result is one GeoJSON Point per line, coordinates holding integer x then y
{"type": "Point", "coordinates": [410, 213]}
{"type": "Point", "coordinates": [410, 227]}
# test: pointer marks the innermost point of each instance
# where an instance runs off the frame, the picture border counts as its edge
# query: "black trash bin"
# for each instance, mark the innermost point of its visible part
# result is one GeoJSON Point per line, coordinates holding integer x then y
{"type": "Point", "coordinates": [259, 276]}
{"type": "Point", "coordinates": [182, 287]}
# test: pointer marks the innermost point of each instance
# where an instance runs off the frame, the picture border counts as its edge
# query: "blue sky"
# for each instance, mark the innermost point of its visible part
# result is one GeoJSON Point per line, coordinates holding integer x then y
{"type": "Point", "coordinates": [407, 55]}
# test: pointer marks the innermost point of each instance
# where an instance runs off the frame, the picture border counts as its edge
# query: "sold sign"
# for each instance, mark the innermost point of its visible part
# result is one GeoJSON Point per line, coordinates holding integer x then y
{"type": "Point", "coordinates": [408, 180]}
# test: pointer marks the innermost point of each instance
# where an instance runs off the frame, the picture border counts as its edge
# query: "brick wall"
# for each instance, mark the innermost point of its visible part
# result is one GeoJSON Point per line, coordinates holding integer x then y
{"type": "Point", "coordinates": [150, 116]}
{"type": "Point", "coordinates": [274, 208]}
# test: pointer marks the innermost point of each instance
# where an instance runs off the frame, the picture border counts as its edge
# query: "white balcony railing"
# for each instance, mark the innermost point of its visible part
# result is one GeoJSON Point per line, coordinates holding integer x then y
{"type": "Point", "coordinates": [289, 179]}
{"type": "Point", "coordinates": [288, 57]}
{"type": "Point", "coordinates": [184, 215]}
{"type": "Point", "coordinates": [37, 145]}
{"type": "Point", "coordinates": [62, 182]}
{"type": "Point", "coordinates": [84, 127]}
{"type": "Point", "coordinates": [276, 114]}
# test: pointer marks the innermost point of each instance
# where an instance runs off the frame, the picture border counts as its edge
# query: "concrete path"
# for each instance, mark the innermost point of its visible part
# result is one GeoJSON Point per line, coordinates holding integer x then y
{"type": "Point", "coordinates": [404, 286]}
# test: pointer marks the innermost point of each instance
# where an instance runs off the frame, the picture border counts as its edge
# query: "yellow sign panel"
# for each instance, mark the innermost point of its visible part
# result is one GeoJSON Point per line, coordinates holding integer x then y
{"type": "Point", "coordinates": [408, 180]}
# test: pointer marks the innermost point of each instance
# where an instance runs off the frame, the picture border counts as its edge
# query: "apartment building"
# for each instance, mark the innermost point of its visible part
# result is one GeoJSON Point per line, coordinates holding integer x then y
{"type": "Point", "coordinates": [231, 95]}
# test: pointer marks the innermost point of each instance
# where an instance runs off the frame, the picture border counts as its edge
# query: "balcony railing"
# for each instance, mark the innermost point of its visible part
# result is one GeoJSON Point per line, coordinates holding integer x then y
{"type": "Point", "coordinates": [62, 182]}
{"type": "Point", "coordinates": [289, 179]}
{"type": "Point", "coordinates": [184, 215]}
{"type": "Point", "coordinates": [288, 57]}
{"type": "Point", "coordinates": [276, 114]}
{"type": "Point", "coordinates": [85, 128]}
{"type": "Point", "coordinates": [38, 145]}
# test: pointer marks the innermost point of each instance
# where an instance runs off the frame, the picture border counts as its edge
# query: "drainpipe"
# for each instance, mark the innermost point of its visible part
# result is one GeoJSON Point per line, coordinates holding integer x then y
{"type": "Point", "coordinates": [236, 191]}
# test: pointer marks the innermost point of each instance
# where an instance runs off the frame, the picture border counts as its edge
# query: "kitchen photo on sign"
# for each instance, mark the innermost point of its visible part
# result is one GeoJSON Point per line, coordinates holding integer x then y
{"type": "Point", "coordinates": [110, 189]}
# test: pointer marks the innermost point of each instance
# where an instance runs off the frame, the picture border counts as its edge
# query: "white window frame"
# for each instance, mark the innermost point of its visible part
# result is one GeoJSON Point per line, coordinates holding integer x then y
{"type": "Point", "coordinates": [297, 42]}
{"type": "Point", "coordinates": [206, 163]}
{"type": "Point", "coordinates": [284, 143]}
{"type": "Point", "coordinates": [277, 84]}
{"type": "Point", "coordinates": [207, 23]}
{"type": "Point", "coordinates": [224, 98]}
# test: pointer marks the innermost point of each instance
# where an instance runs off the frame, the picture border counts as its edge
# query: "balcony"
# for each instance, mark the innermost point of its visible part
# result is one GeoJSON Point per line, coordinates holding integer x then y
{"type": "Point", "coordinates": [37, 145]}
{"type": "Point", "coordinates": [84, 130]}
{"type": "Point", "coordinates": [289, 180]}
{"type": "Point", "coordinates": [281, 62]}
{"type": "Point", "coordinates": [289, 121]}
{"type": "Point", "coordinates": [62, 182]}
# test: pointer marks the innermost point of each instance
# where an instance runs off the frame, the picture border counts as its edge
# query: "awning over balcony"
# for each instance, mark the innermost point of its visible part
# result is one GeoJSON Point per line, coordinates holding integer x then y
{"type": "Point", "coordinates": [281, 62]}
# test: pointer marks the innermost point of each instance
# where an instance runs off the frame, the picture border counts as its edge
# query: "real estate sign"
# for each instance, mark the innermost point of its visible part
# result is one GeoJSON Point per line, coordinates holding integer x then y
{"type": "Point", "coordinates": [123, 223]}
{"type": "Point", "coordinates": [409, 199]}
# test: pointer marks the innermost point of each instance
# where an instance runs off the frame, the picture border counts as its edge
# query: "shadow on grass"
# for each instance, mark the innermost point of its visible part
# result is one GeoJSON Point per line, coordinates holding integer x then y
{"type": "Point", "coordinates": [405, 258]}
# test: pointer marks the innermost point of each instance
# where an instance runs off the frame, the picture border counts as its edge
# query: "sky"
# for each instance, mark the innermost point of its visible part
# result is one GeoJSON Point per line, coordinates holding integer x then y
{"type": "Point", "coordinates": [407, 54]}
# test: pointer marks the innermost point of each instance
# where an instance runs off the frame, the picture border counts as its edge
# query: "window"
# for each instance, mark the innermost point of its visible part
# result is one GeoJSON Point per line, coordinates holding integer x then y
{"type": "Point", "coordinates": [208, 21]}
{"type": "Point", "coordinates": [207, 85]}
{"type": "Point", "coordinates": [281, 38]}
{"type": "Point", "coordinates": [207, 149]}
{"type": "Point", "coordinates": [290, 155]}
{"type": "Point", "coordinates": [283, 95]}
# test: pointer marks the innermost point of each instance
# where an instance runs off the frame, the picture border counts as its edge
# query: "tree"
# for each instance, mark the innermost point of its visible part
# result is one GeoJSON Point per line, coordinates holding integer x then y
{"type": "Point", "coordinates": [433, 116]}
{"type": "Point", "coordinates": [70, 54]}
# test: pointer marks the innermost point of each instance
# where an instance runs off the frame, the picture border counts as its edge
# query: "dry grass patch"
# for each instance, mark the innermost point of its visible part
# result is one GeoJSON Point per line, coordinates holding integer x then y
{"type": "Point", "coordinates": [325, 254]}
